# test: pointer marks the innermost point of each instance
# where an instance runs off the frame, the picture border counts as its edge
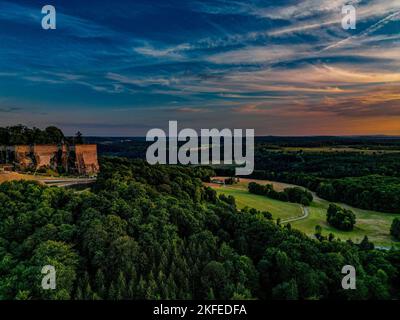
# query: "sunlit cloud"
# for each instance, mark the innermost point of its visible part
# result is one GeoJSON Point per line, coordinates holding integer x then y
{"type": "Point", "coordinates": [278, 67]}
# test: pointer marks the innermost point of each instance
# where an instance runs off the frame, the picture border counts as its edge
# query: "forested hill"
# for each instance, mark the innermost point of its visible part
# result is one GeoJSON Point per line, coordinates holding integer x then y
{"type": "Point", "coordinates": [150, 232]}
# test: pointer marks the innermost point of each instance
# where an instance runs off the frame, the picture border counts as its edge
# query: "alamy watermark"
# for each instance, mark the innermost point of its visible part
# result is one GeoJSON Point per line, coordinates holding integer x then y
{"type": "Point", "coordinates": [349, 21]}
{"type": "Point", "coordinates": [204, 149]}
{"type": "Point", "coordinates": [49, 20]}
{"type": "Point", "coordinates": [49, 280]}
{"type": "Point", "coordinates": [349, 281]}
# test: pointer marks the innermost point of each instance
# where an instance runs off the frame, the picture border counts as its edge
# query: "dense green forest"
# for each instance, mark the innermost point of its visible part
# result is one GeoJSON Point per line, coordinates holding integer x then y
{"type": "Point", "coordinates": [154, 232]}
{"type": "Point", "coordinates": [330, 165]}
{"type": "Point", "coordinates": [372, 192]}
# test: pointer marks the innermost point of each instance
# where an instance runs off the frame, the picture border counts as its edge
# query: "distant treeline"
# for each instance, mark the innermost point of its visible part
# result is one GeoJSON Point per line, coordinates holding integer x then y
{"type": "Point", "coordinates": [296, 194]}
{"type": "Point", "coordinates": [132, 148]}
{"type": "Point", "coordinates": [20, 134]}
{"type": "Point", "coordinates": [327, 164]}
{"type": "Point", "coordinates": [372, 192]}
{"type": "Point", "coordinates": [362, 142]}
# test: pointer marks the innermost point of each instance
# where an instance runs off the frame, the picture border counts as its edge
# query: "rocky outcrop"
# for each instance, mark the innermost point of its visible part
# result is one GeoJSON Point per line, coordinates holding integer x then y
{"type": "Point", "coordinates": [22, 155]}
{"type": "Point", "coordinates": [45, 156]}
{"type": "Point", "coordinates": [78, 159]}
{"type": "Point", "coordinates": [86, 159]}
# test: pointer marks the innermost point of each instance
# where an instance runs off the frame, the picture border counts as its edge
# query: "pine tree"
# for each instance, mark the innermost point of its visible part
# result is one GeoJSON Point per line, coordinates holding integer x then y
{"type": "Point", "coordinates": [131, 294]}
{"type": "Point", "coordinates": [112, 292]}
{"type": "Point", "coordinates": [121, 287]}
{"type": "Point", "coordinates": [78, 294]}
{"type": "Point", "coordinates": [151, 290]}
{"type": "Point", "coordinates": [141, 288]}
{"type": "Point", "coordinates": [88, 293]}
{"type": "Point", "coordinates": [100, 283]}
{"type": "Point", "coordinates": [211, 295]}
{"type": "Point", "coordinates": [171, 287]}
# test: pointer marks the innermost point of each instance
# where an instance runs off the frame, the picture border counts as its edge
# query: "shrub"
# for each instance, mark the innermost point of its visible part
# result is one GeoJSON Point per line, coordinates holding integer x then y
{"type": "Point", "coordinates": [340, 218]}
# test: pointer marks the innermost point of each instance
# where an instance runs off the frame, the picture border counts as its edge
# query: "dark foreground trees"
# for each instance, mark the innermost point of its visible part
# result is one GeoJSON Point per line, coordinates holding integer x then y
{"type": "Point", "coordinates": [148, 232]}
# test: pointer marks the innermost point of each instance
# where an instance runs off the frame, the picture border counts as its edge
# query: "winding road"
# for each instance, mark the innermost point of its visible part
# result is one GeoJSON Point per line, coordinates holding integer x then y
{"type": "Point", "coordinates": [306, 212]}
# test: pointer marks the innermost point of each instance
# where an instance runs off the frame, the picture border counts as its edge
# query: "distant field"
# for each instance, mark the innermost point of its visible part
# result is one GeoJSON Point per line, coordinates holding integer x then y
{"type": "Point", "coordinates": [375, 225]}
{"type": "Point", "coordinates": [279, 186]}
{"type": "Point", "coordinates": [283, 210]}
{"type": "Point", "coordinates": [338, 149]}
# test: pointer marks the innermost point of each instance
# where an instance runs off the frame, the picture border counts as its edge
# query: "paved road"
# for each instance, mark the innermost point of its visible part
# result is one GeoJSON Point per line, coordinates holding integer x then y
{"type": "Point", "coordinates": [306, 213]}
{"type": "Point", "coordinates": [68, 182]}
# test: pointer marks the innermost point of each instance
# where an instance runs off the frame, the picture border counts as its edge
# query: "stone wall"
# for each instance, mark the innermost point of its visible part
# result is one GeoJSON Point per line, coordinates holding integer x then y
{"type": "Point", "coordinates": [81, 159]}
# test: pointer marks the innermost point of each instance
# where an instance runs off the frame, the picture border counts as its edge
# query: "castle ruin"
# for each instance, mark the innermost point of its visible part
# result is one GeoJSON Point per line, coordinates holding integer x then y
{"type": "Point", "coordinates": [74, 159]}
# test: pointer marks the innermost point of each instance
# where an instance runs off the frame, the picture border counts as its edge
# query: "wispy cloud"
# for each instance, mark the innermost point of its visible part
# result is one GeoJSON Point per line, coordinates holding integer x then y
{"type": "Point", "coordinates": [9, 109]}
{"type": "Point", "coordinates": [260, 54]}
{"type": "Point", "coordinates": [242, 62]}
{"type": "Point", "coordinates": [169, 52]}
{"type": "Point", "coordinates": [381, 23]}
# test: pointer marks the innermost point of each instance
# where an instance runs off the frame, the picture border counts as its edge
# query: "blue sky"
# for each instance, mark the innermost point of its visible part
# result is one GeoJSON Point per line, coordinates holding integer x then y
{"type": "Point", "coordinates": [280, 67]}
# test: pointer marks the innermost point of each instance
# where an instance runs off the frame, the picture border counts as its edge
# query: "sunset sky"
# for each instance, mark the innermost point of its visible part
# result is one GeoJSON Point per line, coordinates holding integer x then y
{"type": "Point", "coordinates": [123, 67]}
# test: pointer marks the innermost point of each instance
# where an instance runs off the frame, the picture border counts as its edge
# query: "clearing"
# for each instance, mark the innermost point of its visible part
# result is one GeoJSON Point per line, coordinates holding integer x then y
{"type": "Point", "coordinates": [375, 225]}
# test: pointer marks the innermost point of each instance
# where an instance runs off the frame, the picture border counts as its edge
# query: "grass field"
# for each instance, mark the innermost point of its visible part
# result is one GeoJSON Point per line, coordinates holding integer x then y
{"type": "Point", "coordinates": [14, 176]}
{"type": "Point", "coordinates": [338, 149]}
{"type": "Point", "coordinates": [283, 210]}
{"type": "Point", "coordinates": [49, 180]}
{"type": "Point", "coordinates": [375, 225]}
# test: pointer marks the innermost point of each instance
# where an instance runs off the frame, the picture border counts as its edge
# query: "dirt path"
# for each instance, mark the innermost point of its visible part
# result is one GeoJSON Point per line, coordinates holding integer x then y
{"type": "Point", "coordinates": [305, 215]}
{"type": "Point", "coordinates": [279, 186]}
